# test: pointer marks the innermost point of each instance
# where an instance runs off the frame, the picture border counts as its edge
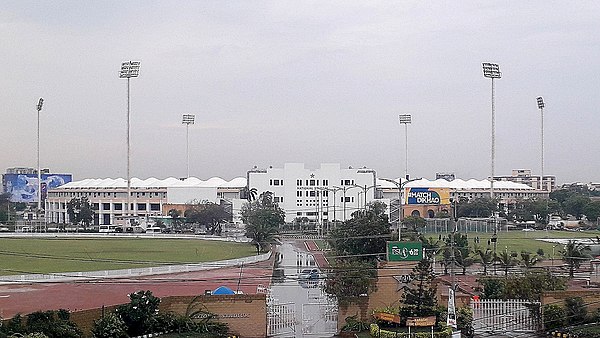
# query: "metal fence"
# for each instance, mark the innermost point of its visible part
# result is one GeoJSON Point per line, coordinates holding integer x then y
{"type": "Point", "coordinates": [501, 316]}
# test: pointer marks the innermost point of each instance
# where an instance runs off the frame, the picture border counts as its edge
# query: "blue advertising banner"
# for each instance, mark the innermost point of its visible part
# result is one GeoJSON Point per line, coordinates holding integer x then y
{"type": "Point", "coordinates": [23, 187]}
{"type": "Point", "coordinates": [428, 196]}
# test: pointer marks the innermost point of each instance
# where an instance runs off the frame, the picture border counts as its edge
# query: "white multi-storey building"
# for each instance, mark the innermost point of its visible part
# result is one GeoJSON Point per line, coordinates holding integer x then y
{"type": "Point", "coordinates": [109, 196]}
{"type": "Point", "coordinates": [325, 194]}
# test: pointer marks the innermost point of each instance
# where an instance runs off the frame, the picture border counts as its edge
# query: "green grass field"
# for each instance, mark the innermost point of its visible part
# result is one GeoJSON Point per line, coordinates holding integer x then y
{"type": "Point", "coordinates": [24, 256]}
{"type": "Point", "coordinates": [527, 240]}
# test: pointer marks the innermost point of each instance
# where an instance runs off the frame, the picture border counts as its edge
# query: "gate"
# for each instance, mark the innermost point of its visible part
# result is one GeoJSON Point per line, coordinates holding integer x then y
{"type": "Point", "coordinates": [512, 315]}
{"type": "Point", "coordinates": [281, 319]}
{"type": "Point", "coordinates": [319, 319]}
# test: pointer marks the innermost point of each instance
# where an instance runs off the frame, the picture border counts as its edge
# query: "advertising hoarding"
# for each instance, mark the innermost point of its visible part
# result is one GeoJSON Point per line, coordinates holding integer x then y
{"type": "Point", "coordinates": [404, 251]}
{"type": "Point", "coordinates": [22, 188]}
{"type": "Point", "coordinates": [420, 196]}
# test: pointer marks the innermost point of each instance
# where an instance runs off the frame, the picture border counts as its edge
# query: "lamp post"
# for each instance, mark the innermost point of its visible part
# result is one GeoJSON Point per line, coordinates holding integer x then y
{"type": "Point", "coordinates": [129, 69]}
{"type": "Point", "coordinates": [399, 185]}
{"type": "Point", "coordinates": [541, 105]}
{"type": "Point", "coordinates": [39, 170]}
{"type": "Point", "coordinates": [187, 120]}
{"type": "Point", "coordinates": [405, 119]}
{"type": "Point", "coordinates": [344, 195]}
{"type": "Point", "coordinates": [365, 188]}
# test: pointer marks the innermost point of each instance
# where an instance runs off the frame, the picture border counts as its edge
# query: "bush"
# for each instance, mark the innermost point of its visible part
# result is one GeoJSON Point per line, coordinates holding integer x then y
{"type": "Point", "coordinates": [464, 321]}
{"type": "Point", "coordinates": [353, 324]}
{"type": "Point", "coordinates": [138, 314]}
{"type": "Point", "coordinates": [554, 317]}
{"type": "Point", "coordinates": [109, 326]}
{"type": "Point", "coordinates": [52, 324]}
{"type": "Point", "coordinates": [575, 310]}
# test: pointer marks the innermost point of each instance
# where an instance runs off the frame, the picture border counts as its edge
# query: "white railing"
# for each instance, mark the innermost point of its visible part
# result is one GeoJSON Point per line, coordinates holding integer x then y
{"type": "Point", "coordinates": [512, 315]}
{"type": "Point", "coordinates": [136, 272]}
{"type": "Point", "coordinates": [281, 319]}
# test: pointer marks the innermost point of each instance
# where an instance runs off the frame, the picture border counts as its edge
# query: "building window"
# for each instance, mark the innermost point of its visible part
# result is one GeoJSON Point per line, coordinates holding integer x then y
{"type": "Point", "coordinates": [270, 182]}
{"type": "Point", "coordinates": [299, 213]}
{"type": "Point", "coordinates": [105, 206]}
{"type": "Point", "coordinates": [276, 199]}
{"type": "Point", "coordinates": [154, 207]}
{"type": "Point", "coordinates": [275, 182]}
{"type": "Point", "coordinates": [299, 193]}
{"type": "Point", "coordinates": [325, 182]}
{"type": "Point", "coordinates": [325, 193]}
{"type": "Point", "coordinates": [312, 183]}
{"type": "Point", "coordinates": [141, 206]}
{"type": "Point", "coordinates": [299, 182]}
{"type": "Point", "coordinates": [312, 193]}
{"type": "Point", "coordinates": [117, 206]}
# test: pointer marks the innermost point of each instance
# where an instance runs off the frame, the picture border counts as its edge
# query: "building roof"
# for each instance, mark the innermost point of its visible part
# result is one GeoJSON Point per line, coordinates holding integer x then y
{"type": "Point", "coordinates": [152, 182]}
{"type": "Point", "coordinates": [456, 184]}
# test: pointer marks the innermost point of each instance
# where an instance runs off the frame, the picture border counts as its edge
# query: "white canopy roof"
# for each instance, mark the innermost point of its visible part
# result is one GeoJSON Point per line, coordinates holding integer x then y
{"type": "Point", "coordinates": [152, 182]}
{"type": "Point", "coordinates": [457, 184]}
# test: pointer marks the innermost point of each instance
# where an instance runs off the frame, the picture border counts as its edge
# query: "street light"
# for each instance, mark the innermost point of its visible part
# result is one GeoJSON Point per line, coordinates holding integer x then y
{"type": "Point", "coordinates": [129, 69]}
{"type": "Point", "coordinates": [492, 71]}
{"type": "Point", "coordinates": [344, 196]}
{"type": "Point", "coordinates": [187, 120]}
{"type": "Point", "coordinates": [39, 170]}
{"type": "Point", "coordinates": [365, 189]}
{"type": "Point", "coordinates": [405, 119]}
{"type": "Point", "coordinates": [399, 185]}
{"type": "Point", "coordinates": [541, 105]}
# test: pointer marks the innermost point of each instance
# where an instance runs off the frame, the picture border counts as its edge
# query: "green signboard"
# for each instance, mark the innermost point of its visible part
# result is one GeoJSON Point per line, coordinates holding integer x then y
{"type": "Point", "coordinates": [404, 251]}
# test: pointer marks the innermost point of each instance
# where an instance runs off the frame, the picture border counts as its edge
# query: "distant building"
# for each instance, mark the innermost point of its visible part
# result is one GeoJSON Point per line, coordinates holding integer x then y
{"type": "Point", "coordinates": [320, 195]}
{"type": "Point", "coordinates": [150, 197]}
{"type": "Point", "coordinates": [445, 176]}
{"type": "Point", "coordinates": [524, 176]}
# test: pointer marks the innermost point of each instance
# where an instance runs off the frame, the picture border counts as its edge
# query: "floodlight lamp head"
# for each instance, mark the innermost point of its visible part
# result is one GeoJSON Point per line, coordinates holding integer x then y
{"type": "Point", "coordinates": [491, 70]}
{"type": "Point", "coordinates": [405, 118]}
{"type": "Point", "coordinates": [130, 69]}
{"type": "Point", "coordinates": [40, 104]}
{"type": "Point", "coordinates": [540, 102]}
{"type": "Point", "coordinates": [188, 119]}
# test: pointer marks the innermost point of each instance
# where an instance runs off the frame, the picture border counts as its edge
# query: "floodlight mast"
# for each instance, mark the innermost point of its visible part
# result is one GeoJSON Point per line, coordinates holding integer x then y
{"type": "Point", "coordinates": [541, 105]}
{"type": "Point", "coordinates": [129, 69]}
{"type": "Point", "coordinates": [492, 71]}
{"type": "Point", "coordinates": [39, 171]}
{"type": "Point", "coordinates": [405, 119]}
{"type": "Point", "coordinates": [187, 120]}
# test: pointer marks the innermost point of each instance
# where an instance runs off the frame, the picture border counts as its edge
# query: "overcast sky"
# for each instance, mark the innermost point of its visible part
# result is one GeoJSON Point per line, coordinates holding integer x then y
{"type": "Point", "coordinates": [315, 82]}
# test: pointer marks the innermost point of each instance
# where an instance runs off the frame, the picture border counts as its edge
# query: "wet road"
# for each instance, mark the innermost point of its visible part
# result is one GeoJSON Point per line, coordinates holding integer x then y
{"type": "Point", "coordinates": [310, 305]}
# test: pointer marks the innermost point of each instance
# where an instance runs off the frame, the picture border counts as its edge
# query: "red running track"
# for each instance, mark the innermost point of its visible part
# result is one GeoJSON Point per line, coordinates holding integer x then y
{"type": "Point", "coordinates": [27, 298]}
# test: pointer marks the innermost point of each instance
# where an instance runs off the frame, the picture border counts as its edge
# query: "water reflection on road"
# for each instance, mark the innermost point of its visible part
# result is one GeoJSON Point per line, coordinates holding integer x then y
{"type": "Point", "coordinates": [304, 294]}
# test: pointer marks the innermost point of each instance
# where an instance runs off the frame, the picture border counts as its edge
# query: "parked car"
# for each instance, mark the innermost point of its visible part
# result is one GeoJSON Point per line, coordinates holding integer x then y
{"type": "Point", "coordinates": [309, 274]}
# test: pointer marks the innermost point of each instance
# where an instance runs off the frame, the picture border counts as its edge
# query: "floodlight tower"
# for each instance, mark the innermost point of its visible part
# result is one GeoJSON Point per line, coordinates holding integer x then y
{"type": "Point", "coordinates": [39, 171]}
{"type": "Point", "coordinates": [405, 119]}
{"type": "Point", "coordinates": [129, 69]}
{"type": "Point", "coordinates": [187, 120]}
{"type": "Point", "coordinates": [541, 105]}
{"type": "Point", "coordinates": [492, 71]}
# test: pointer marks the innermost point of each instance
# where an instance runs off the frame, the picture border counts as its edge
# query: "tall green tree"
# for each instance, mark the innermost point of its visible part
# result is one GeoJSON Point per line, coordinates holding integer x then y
{"type": "Point", "coordinates": [477, 207]}
{"type": "Point", "coordinates": [80, 211]}
{"type": "Point", "coordinates": [210, 215]}
{"type": "Point", "coordinates": [364, 235]}
{"type": "Point", "coordinates": [4, 207]}
{"type": "Point", "coordinates": [139, 312]}
{"type": "Point", "coordinates": [485, 257]}
{"type": "Point", "coordinates": [592, 211]}
{"type": "Point", "coordinates": [262, 218]}
{"type": "Point", "coordinates": [573, 254]}
{"type": "Point", "coordinates": [575, 205]}
{"type": "Point", "coordinates": [506, 260]}
{"type": "Point", "coordinates": [419, 296]}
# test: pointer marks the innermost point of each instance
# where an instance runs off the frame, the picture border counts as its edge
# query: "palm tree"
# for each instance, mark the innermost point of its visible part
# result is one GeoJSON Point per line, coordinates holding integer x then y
{"type": "Point", "coordinates": [574, 254]}
{"type": "Point", "coordinates": [249, 194]}
{"type": "Point", "coordinates": [486, 258]}
{"type": "Point", "coordinates": [506, 260]}
{"type": "Point", "coordinates": [529, 260]}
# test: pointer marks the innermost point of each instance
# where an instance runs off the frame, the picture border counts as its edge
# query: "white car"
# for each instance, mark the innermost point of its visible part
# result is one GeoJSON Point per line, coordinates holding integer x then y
{"type": "Point", "coordinates": [309, 274]}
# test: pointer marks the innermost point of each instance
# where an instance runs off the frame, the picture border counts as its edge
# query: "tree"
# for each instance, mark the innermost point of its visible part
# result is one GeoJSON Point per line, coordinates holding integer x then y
{"type": "Point", "coordinates": [364, 235]}
{"type": "Point", "coordinates": [175, 218]}
{"type": "Point", "coordinates": [358, 243]}
{"type": "Point", "coordinates": [477, 207]}
{"type": "Point", "coordinates": [506, 260]}
{"type": "Point", "coordinates": [54, 324]}
{"type": "Point", "coordinates": [529, 286]}
{"type": "Point", "coordinates": [575, 205]}
{"type": "Point", "coordinates": [554, 316]}
{"type": "Point", "coordinates": [592, 211]}
{"type": "Point", "coordinates": [414, 223]}
{"type": "Point", "coordinates": [528, 260]}
{"type": "Point", "coordinates": [249, 194]}
{"type": "Point", "coordinates": [210, 215]}
{"type": "Point", "coordinates": [262, 218]}
{"type": "Point", "coordinates": [575, 310]}
{"type": "Point", "coordinates": [419, 296]}
{"type": "Point", "coordinates": [138, 314]}
{"type": "Point", "coordinates": [574, 254]}
{"type": "Point", "coordinates": [80, 211]}
{"type": "Point", "coordinates": [486, 258]}
{"type": "Point", "coordinates": [4, 207]}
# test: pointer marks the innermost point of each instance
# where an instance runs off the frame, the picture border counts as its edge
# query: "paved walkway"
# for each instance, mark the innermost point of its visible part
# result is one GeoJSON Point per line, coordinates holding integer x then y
{"type": "Point", "coordinates": [319, 256]}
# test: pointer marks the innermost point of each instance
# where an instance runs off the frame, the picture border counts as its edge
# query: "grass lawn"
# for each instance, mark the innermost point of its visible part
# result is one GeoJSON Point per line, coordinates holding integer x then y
{"type": "Point", "coordinates": [527, 240]}
{"type": "Point", "coordinates": [22, 256]}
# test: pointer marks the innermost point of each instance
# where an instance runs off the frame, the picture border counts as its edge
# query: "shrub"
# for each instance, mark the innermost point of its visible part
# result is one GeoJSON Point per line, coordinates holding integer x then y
{"type": "Point", "coordinates": [575, 310]}
{"type": "Point", "coordinates": [138, 314]}
{"type": "Point", "coordinates": [554, 317]}
{"type": "Point", "coordinates": [109, 326]}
